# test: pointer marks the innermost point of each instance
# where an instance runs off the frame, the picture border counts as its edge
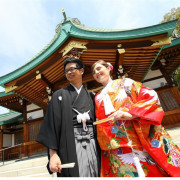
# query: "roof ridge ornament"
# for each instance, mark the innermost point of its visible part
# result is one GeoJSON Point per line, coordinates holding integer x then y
{"type": "Point", "coordinates": [75, 21]}
{"type": "Point", "coordinates": [64, 14]}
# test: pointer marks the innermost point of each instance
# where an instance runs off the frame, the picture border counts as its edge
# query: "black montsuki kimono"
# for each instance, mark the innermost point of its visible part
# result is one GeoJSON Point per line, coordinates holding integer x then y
{"type": "Point", "coordinates": [57, 131]}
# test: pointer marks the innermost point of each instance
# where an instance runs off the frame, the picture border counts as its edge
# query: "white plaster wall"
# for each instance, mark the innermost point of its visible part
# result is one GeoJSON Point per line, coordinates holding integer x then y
{"type": "Point", "coordinates": [155, 83]}
{"type": "Point", "coordinates": [7, 140]}
{"type": "Point", "coordinates": [31, 107]}
{"type": "Point", "coordinates": [152, 74]}
{"type": "Point", "coordinates": [35, 114]}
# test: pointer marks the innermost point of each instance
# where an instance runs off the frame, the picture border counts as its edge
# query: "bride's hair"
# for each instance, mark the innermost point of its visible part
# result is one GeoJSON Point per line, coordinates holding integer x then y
{"type": "Point", "coordinates": [102, 62]}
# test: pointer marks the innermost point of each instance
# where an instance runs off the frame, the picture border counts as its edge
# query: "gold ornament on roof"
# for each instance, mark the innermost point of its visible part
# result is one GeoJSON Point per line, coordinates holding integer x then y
{"type": "Point", "coordinates": [73, 48]}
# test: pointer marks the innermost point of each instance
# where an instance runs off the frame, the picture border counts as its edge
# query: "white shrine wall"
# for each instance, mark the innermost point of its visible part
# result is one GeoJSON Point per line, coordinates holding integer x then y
{"type": "Point", "coordinates": [7, 140]}
{"type": "Point", "coordinates": [157, 83]}
{"type": "Point", "coordinates": [34, 112]}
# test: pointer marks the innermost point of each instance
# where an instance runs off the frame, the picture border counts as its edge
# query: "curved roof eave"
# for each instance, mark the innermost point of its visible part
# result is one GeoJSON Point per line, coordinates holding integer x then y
{"type": "Point", "coordinates": [56, 42]}
{"type": "Point", "coordinates": [70, 29]}
{"type": "Point", "coordinates": [97, 34]}
{"type": "Point", "coordinates": [174, 43]}
{"type": "Point", "coordinates": [3, 94]}
{"type": "Point", "coordinates": [10, 117]}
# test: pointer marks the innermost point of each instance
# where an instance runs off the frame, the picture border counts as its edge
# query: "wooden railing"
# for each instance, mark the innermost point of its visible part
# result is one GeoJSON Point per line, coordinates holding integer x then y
{"type": "Point", "coordinates": [20, 150]}
{"type": "Point", "coordinates": [6, 153]}
{"type": "Point", "coordinates": [170, 102]}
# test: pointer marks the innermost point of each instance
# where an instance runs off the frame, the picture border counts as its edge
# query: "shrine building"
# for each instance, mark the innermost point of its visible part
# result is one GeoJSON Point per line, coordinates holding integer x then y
{"type": "Point", "coordinates": [146, 54]}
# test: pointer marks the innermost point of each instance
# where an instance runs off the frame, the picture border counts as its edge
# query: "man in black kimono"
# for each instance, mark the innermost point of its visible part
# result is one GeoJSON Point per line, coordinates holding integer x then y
{"type": "Point", "coordinates": [67, 130]}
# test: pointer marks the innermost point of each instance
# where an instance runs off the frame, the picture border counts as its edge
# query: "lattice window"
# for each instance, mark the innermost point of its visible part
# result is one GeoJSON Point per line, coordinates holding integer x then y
{"type": "Point", "coordinates": [34, 130]}
{"type": "Point", "coordinates": [19, 138]}
{"type": "Point", "coordinates": [168, 101]}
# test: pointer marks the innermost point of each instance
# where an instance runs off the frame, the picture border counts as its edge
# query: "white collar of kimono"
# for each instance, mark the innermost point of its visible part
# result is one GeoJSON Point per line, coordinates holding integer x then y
{"type": "Point", "coordinates": [77, 90]}
{"type": "Point", "coordinates": [108, 107]}
{"type": "Point", "coordinates": [81, 117]}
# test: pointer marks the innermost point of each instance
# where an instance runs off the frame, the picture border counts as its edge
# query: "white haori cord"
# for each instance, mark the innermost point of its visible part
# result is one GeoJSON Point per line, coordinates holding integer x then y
{"type": "Point", "coordinates": [135, 158]}
{"type": "Point", "coordinates": [83, 117]}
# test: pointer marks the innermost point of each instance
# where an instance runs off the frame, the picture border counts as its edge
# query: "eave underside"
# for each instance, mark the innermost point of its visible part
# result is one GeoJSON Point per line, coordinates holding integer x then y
{"type": "Point", "coordinates": [11, 102]}
{"type": "Point", "coordinates": [138, 57]}
{"type": "Point", "coordinates": [171, 57]}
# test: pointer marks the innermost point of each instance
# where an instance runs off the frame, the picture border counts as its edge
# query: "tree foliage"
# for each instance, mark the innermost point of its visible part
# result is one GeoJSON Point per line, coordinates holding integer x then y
{"type": "Point", "coordinates": [176, 77]}
{"type": "Point", "coordinates": [172, 15]}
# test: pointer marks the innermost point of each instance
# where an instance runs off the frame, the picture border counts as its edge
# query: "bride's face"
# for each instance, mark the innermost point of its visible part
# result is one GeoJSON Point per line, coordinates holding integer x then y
{"type": "Point", "coordinates": [101, 74]}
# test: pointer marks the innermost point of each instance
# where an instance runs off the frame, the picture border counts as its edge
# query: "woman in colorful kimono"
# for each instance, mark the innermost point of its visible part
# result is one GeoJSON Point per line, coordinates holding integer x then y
{"type": "Point", "coordinates": [129, 130]}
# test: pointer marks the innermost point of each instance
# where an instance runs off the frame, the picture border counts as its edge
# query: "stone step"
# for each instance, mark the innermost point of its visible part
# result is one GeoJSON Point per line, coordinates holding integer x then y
{"type": "Point", "coordinates": [175, 135]}
{"type": "Point", "coordinates": [28, 167]}
{"type": "Point", "coordinates": [41, 175]}
{"type": "Point", "coordinates": [24, 171]}
{"type": "Point", "coordinates": [24, 163]}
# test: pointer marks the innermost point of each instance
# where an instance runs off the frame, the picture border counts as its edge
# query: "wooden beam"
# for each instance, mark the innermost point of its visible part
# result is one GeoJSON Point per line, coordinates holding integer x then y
{"type": "Point", "coordinates": [41, 67]}
{"type": "Point", "coordinates": [138, 51]}
{"type": "Point", "coordinates": [151, 79]}
{"type": "Point", "coordinates": [138, 63]}
{"type": "Point", "coordinates": [43, 80]}
{"type": "Point", "coordinates": [165, 74]}
{"type": "Point", "coordinates": [174, 111]}
{"type": "Point", "coordinates": [96, 89]}
{"type": "Point", "coordinates": [121, 56]}
{"type": "Point", "coordinates": [98, 54]}
{"type": "Point", "coordinates": [140, 54]}
{"type": "Point", "coordinates": [32, 89]}
{"type": "Point", "coordinates": [161, 89]}
{"type": "Point", "coordinates": [139, 58]}
{"type": "Point", "coordinates": [169, 126]}
{"type": "Point", "coordinates": [63, 83]}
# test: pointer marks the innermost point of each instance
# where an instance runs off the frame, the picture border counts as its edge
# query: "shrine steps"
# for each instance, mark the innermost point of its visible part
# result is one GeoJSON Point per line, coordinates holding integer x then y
{"type": "Point", "coordinates": [27, 167]}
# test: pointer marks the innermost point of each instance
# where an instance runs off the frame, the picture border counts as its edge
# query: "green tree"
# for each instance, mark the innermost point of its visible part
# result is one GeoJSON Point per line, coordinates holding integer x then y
{"type": "Point", "coordinates": [173, 14]}
{"type": "Point", "coordinates": [176, 76]}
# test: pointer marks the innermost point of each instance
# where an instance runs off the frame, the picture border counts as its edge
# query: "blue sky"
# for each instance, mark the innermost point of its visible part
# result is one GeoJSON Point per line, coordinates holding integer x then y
{"type": "Point", "coordinates": [27, 26]}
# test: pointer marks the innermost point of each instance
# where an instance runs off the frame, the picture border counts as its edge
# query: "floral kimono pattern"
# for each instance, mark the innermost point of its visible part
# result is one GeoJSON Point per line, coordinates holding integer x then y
{"type": "Point", "coordinates": [158, 154]}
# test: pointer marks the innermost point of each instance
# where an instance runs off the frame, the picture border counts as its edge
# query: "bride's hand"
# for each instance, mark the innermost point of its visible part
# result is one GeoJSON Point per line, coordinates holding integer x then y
{"type": "Point", "coordinates": [121, 115]}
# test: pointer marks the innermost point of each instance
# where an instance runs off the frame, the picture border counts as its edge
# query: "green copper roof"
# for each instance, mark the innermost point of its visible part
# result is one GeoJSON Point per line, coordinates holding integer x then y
{"type": "Point", "coordinates": [2, 94]}
{"type": "Point", "coordinates": [72, 27]}
{"type": "Point", "coordinates": [174, 43]}
{"type": "Point", "coordinates": [10, 117]}
{"type": "Point", "coordinates": [101, 34]}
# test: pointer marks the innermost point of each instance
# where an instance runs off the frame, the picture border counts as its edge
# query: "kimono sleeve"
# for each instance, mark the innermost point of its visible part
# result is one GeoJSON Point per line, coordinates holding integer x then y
{"type": "Point", "coordinates": [49, 131]}
{"type": "Point", "coordinates": [146, 104]}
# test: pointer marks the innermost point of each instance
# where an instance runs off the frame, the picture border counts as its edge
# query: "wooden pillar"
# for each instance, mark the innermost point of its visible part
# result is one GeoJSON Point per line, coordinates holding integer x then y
{"type": "Point", "coordinates": [26, 128]}
{"type": "Point", "coordinates": [119, 61]}
{"type": "Point", "coordinates": [24, 111]}
{"type": "Point", "coordinates": [1, 139]}
{"type": "Point", "coordinates": [25, 138]}
{"type": "Point", "coordinates": [26, 133]}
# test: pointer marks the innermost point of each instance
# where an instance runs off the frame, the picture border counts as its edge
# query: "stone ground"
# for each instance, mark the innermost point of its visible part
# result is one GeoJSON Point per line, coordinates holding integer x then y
{"type": "Point", "coordinates": [175, 134]}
